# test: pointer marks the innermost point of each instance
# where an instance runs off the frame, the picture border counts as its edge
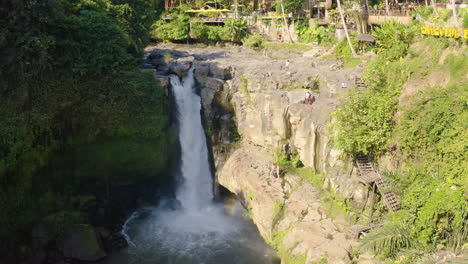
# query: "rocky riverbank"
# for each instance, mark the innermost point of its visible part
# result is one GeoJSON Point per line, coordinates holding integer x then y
{"type": "Point", "coordinates": [253, 106]}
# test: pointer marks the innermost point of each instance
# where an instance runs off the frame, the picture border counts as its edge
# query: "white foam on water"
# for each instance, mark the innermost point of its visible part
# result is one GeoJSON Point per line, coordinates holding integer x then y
{"type": "Point", "coordinates": [200, 231]}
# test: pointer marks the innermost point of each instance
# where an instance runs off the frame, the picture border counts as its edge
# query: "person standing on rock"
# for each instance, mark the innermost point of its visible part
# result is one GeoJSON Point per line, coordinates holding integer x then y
{"type": "Point", "coordinates": [307, 97]}
{"type": "Point", "coordinates": [274, 170]}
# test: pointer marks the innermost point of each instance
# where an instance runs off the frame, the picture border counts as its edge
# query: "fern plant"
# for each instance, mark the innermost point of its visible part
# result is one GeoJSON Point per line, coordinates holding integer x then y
{"type": "Point", "coordinates": [388, 240]}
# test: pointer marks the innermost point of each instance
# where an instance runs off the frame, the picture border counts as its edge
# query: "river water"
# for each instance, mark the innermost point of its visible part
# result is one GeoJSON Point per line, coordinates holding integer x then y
{"type": "Point", "coordinates": [193, 228]}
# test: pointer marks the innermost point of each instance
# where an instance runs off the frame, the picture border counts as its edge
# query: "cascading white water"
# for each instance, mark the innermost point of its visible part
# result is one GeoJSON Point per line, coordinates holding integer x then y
{"type": "Point", "coordinates": [201, 232]}
{"type": "Point", "coordinates": [195, 192]}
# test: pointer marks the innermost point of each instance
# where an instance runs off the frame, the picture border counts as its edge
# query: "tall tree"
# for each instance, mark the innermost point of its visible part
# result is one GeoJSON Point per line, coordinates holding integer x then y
{"type": "Point", "coordinates": [434, 7]}
{"type": "Point", "coordinates": [286, 22]}
{"type": "Point", "coordinates": [457, 23]}
{"type": "Point", "coordinates": [353, 53]}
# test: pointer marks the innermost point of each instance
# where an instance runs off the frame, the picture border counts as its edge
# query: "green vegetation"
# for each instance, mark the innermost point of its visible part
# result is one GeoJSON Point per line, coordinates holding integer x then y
{"type": "Point", "coordinates": [427, 14]}
{"type": "Point", "coordinates": [244, 87]}
{"type": "Point", "coordinates": [388, 240]}
{"type": "Point", "coordinates": [427, 134]}
{"type": "Point", "coordinates": [74, 110]}
{"type": "Point", "coordinates": [255, 41]}
{"type": "Point", "coordinates": [205, 33]}
{"type": "Point", "coordinates": [308, 34]}
{"type": "Point", "coordinates": [342, 49]}
{"type": "Point", "coordinates": [175, 30]}
{"type": "Point", "coordinates": [288, 46]}
{"type": "Point", "coordinates": [334, 203]}
{"type": "Point", "coordinates": [179, 28]}
{"type": "Point", "coordinates": [284, 253]}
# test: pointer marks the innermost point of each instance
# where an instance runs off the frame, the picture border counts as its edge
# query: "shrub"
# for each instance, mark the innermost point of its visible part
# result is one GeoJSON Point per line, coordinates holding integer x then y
{"type": "Point", "coordinates": [216, 33]}
{"type": "Point", "coordinates": [255, 41]}
{"type": "Point", "coordinates": [388, 240]}
{"type": "Point", "coordinates": [311, 34]}
{"type": "Point", "coordinates": [175, 30]}
{"type": "Point", "coordinates": [329, 41]}
{"type": "Point", "coordinates": [393, 40]}
{"type": "Point", "coordinates": [342, 49]}
{"type": "Point", "coordinates": [237, 29]}
{"type": "Point", "coordinates": [199, 31]}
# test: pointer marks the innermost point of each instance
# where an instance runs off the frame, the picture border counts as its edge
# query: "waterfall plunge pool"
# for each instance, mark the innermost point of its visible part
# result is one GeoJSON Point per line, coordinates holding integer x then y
{"type": "Point", "coordinates": [193, 228]}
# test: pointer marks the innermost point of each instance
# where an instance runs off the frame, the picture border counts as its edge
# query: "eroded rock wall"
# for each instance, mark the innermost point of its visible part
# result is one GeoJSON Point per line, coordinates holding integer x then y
{"type": "Point", "coordinates": [287, 211]}
{"type": "Point", "coordinates": [252, 107]}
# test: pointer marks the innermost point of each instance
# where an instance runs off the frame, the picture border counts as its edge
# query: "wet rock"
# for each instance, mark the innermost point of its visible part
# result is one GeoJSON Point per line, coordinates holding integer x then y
{"type": "Point", "coordinates": [147, 66]}
{"type": "Point", "coordinates": [159, 62]}
{"type": "Point", "coordinates": [163, 70]}
{"type": "Point", "coordinates": [201, 72]}
{"type": "Point", "coordinates": [39, 236]}
{"type": "Point", "coordinates": [220, 71]}
{"type": "Point", "coordinates": [115, 242]}
{"type": "Point", "coordinates": [213, 83]}
{"type": "Point", "coordinates": [163, 81]}
{"type": "Point", "coordinates": [180, 68]}
{"type": "Point", "coordinates": [81, 242]}
{"type": "Point", "coordinates": [207, 95]}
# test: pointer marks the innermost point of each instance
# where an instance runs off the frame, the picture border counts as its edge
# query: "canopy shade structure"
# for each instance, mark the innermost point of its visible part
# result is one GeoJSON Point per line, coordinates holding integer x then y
{"type": "Point", "coordinates": [365, 37]}
{"type": "Point", "coordinates": [207, 11]}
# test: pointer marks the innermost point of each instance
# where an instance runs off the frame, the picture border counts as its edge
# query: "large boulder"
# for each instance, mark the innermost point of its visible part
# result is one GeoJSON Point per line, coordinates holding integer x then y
{"type": "Point", "coordinates": [207, 95]}
{"type": "Point", "coordinates": [213, 83]}
{"type": "Point", "coordinates": [81, 242]}
{"type": "Point", "coordinates": [220, 71]}
{"type": "Point", "coordinates": [201, 72]}
{"type": "Point", "coordinates": [180, 67]}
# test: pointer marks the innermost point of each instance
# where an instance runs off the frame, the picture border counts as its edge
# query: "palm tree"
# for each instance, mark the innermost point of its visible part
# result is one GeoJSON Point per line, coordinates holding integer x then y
{"type": "Point", "coordinates": [285, 22]}
{"type": "Point", "coordinates": [457, 23]}
{"type": "Point", "coordinates": [434, 7]}
{"type": "Point", "coordinates": [353, 53]}
{"type": "Point", "coordinates": [236, 12]}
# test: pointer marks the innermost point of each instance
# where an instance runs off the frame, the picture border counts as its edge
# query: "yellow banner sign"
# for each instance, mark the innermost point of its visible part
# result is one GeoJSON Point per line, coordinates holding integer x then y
{"type": "Point", "coordinates": [444, 32]}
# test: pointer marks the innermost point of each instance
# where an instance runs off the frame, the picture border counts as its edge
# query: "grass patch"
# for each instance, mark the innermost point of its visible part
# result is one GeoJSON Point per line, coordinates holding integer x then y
{"type": "Point", "coordinates": [288, 46]}
{"type": "Point", "coordinates": [278, 207]}
{"type": "Point", "coordinates": [333, 203]}
{"type": "Point", "coordinates": [244, 87]}
{"type": "Point", "coordinates": [285, 254]}
{"type": "Point", "coordinates": [351, 62]}
{"type": "Point", "coordinates": [310, 176]}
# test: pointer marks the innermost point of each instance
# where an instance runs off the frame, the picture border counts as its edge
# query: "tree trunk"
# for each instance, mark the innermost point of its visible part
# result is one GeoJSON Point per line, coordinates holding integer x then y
{"type": "Point", "coordinates": [434, 7]}
{"type": "Point", "coordinates": [236, 11]}
{"type": "Point", "coordinates": [353, 53]}
{"type": "Point", "coordinates": [286, 23]}
{"type": "Point", "coordinates": [457, 23]}
{"type": "Point", "coordinates": [387, 8]}
{"type": "Point", "coordinates": [427, 4]}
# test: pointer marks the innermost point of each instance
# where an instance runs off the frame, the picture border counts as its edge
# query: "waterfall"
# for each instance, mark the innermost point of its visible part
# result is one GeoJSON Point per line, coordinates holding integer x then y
{"type": "Point", "coordinates": [195, 192]}
{"type": "Point", "coordinates": [199, 231]}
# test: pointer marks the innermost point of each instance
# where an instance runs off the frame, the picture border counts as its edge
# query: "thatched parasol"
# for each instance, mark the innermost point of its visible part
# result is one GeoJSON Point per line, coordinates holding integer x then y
{"type": "Point", "coordinates": [365, 37]}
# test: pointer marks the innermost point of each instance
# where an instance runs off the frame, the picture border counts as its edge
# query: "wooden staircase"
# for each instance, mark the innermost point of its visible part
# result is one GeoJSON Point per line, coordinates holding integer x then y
{"type": "Point", "coordinates": [369, 176]}
{"type": "Point", "coordinates": [359, 83]}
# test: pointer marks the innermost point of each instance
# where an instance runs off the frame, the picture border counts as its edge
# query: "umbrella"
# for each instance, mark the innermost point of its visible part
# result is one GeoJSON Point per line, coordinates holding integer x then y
{"type": "Point", "coordinates": [365, 37]}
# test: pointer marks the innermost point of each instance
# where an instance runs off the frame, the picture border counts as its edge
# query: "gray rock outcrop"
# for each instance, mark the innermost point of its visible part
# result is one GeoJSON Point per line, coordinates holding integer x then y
{"type": "Point", "coordinates": [81, 242]}
{"type": "Point", "coordinates": [289, 206]}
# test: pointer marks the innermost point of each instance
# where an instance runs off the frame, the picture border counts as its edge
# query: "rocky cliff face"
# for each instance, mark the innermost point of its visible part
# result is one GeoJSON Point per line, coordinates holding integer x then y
{"type": "Point", "coordinates": [253, 106]}
{"type": "Point", "coordinates": [287, 211]}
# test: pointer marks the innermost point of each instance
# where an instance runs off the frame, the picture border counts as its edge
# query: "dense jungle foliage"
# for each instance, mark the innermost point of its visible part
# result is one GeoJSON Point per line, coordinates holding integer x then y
{"type": "Point", "coordinates": [180, 29]}
{"type": "Point", "coordinates": [424, 134]}
{"type": "Point", "coordinates": [76, 114]}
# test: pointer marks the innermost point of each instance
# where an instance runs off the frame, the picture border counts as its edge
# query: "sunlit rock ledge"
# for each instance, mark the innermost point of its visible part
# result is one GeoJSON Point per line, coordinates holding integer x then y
{"type": "Point", "coordinates": [287, 211]}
